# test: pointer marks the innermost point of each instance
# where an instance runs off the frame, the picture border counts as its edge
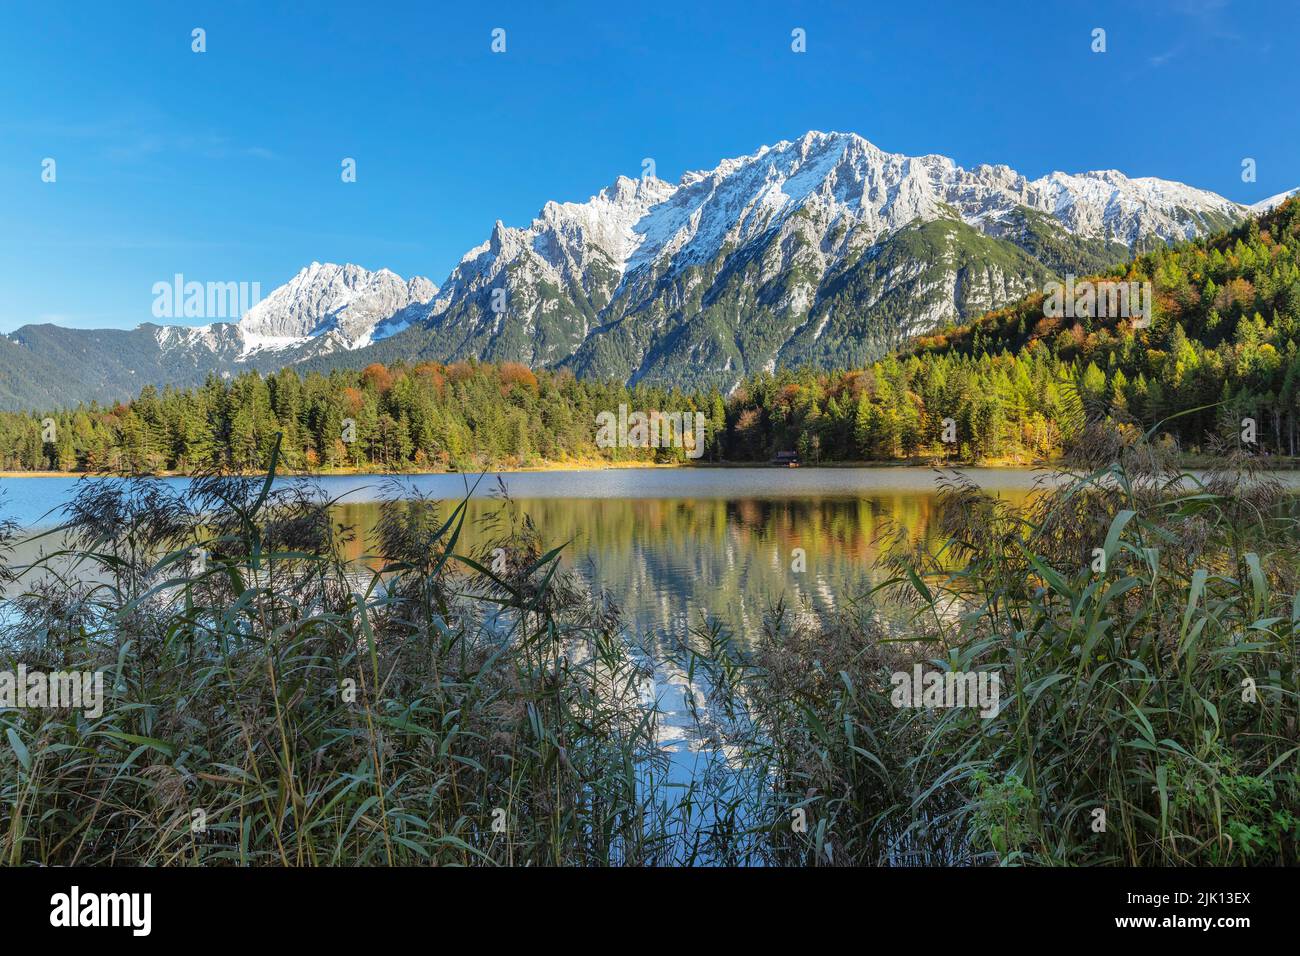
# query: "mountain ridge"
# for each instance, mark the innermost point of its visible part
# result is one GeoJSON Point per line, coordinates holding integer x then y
{"type": "Point", "coordinates": [824, 248]}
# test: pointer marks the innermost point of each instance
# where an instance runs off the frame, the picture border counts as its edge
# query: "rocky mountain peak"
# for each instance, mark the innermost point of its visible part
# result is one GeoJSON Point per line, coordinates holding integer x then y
{"type": "Point", "coordinates": [325, 297]}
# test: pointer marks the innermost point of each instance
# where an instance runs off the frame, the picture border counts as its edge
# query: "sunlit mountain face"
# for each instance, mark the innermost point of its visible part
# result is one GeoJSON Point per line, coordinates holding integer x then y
{"type": "Point", "coordinates": [824, 250]}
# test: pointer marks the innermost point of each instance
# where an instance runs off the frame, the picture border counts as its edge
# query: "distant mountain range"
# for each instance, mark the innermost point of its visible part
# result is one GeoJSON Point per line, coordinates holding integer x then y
{"type": "Point", "coordinates": [322, 309]}
{"type": "Point", "coordinates": [824, 250]}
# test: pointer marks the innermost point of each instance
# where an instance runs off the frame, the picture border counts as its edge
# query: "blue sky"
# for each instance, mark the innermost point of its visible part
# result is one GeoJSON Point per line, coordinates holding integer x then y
{"type": "Point", "coordinates": [225, 166]}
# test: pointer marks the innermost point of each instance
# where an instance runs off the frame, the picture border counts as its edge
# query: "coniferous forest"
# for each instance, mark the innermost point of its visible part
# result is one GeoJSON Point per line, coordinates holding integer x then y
{"type": "Point", "coordinates": [1013, 386]}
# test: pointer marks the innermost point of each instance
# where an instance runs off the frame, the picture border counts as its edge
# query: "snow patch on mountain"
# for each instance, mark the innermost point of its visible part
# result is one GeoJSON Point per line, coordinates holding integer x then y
{"type": "Point", "coordinates": [1264, 205]}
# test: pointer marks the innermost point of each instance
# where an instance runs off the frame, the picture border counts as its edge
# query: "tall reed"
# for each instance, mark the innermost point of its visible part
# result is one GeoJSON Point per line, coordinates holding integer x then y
{"type": "Point", "coordinates": [270, 703]}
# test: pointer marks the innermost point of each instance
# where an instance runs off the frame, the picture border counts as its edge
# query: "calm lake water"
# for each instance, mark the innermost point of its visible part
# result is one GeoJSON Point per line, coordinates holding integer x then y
{"type": "Point", "coordinates": [29, 501]}
{"type": "Point", "coordinates": [673, 547]}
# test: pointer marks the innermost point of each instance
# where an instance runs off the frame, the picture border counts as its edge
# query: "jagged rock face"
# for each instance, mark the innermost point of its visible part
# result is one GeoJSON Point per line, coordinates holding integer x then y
{"type": "Point", "coordinates": [221, 338]}
{"type": "Point", "coordinates": [839, 179]}
{"type": "Point", "coordinates": [357, 304]}
{"type": "Point", "coordinates": [824, 250]}
{"type": "Point", "coordinates": [810, 250]}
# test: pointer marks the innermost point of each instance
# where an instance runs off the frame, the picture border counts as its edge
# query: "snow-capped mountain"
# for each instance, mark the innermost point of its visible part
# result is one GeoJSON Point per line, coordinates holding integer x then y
{"type": "Point", "coordinates": [824, 249]}
{"type": "Point", "coordinates": [324, 309]}
{"type": "Point", "coordinates": [349, 303]}
{"type": "Point", "coordinates": [325, 306]}
{"type": "Point", "coordinates": [838, 178]}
